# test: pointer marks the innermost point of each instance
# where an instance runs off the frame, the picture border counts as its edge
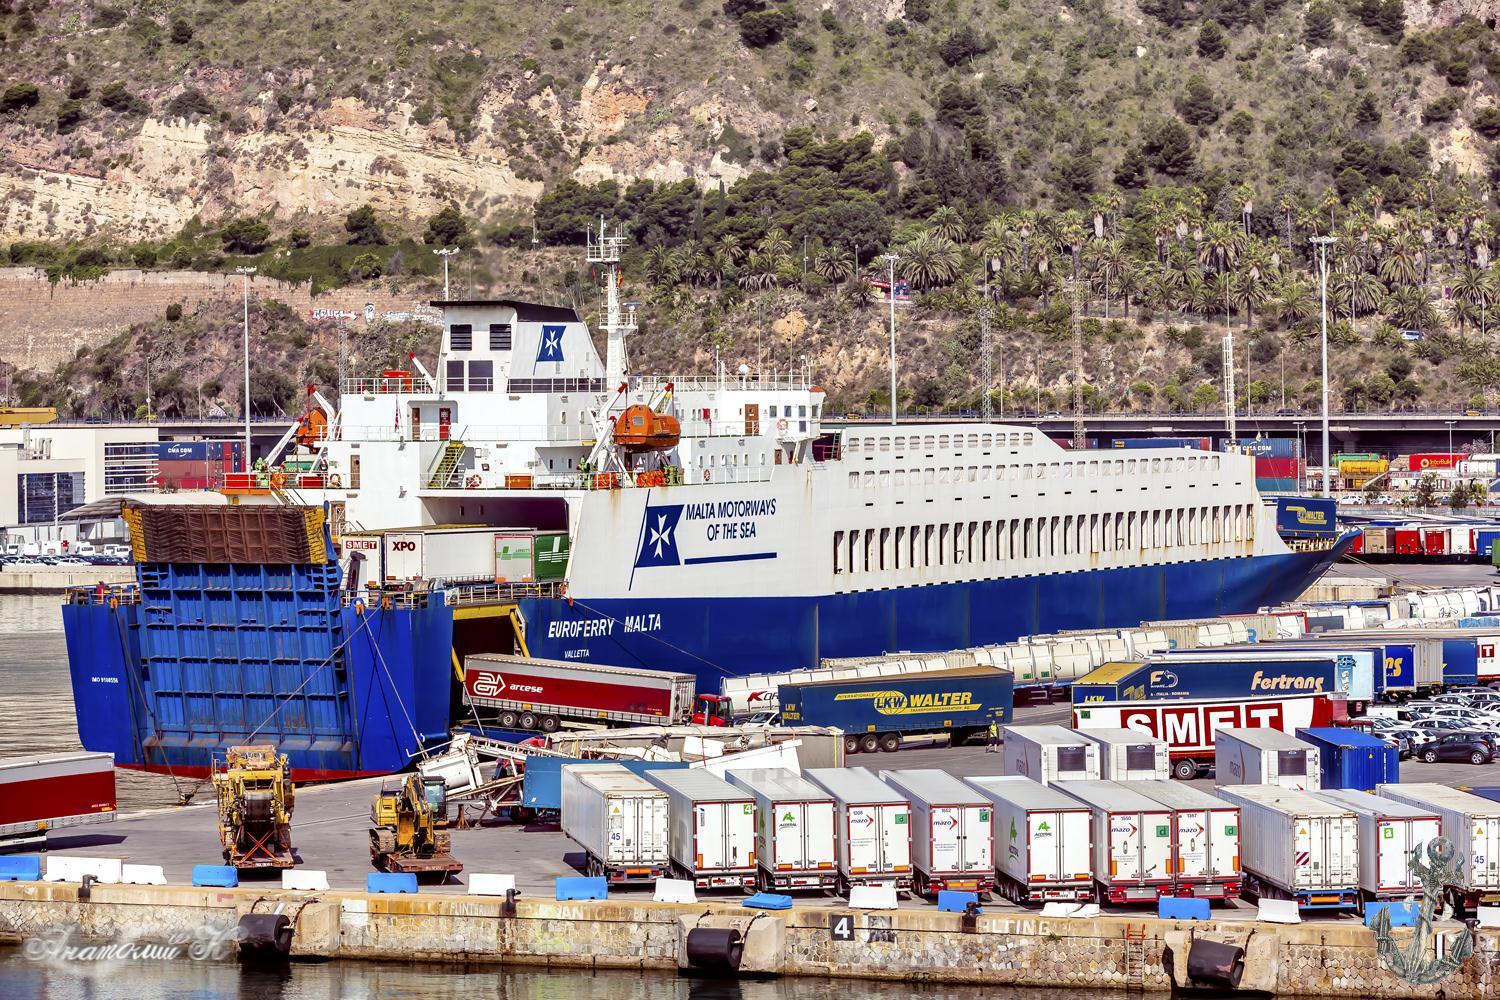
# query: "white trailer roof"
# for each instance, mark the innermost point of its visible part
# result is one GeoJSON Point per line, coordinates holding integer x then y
{"type": "Point", "coordinates": [933, 787]}
{"type": "Point", "coordinates": [853, 784]}
{"type": "Point", "coordinates": [1265, 739]}
{"type": "Point", "coordinates": [1287, 800]}
{"type": "Point", "coordinates": [777, 783]}
{"type": "Point", "coordinates": [697, 784]}
{"type": "Point", "coordinates": [1177, 795]}
{"type": "Point", "coordinates": [1048, 734]}
{"type": "Point", "coordinates": [1022, 791]}
{"type": "Point", "coordinates": [1374, 805]}
{"type": "Point", "coordinates": [1114, 796]}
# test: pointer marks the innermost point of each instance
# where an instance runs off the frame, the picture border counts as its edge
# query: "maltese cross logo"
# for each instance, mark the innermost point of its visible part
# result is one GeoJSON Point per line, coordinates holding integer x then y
{"type": "Point", "coordinates": [551, 345]}
{"type": "Point", "coordinates": [659, 537]}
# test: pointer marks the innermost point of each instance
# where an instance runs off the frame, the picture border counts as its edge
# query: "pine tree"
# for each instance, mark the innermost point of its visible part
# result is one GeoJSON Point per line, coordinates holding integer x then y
{"type": "Point", "coordinates": [1317, 26]}
{"type": "Point", "coordinates": [1366, 112]}
{"type": "Point", "coordinates": [1198, 106]}
{"type": "Point", "coordinates": [1211, 44]}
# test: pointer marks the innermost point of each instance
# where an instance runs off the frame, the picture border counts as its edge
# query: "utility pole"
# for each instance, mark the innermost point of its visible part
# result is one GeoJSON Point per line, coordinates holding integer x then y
{"type": "Point", "coordinates": [1322, 242]}
{"type": "Point", "coordinates": [245, 273]}
{"type": "Point", "coordinates": [891, 259]}
{"type": "Point", "coordinates": [986, 404]}
{"type": "Point", "coordinates": [445, 253]}
{"type": "Point", "coordinates": [1229, 414]}
{"type": "Point", "coordinates": [1077, 367]}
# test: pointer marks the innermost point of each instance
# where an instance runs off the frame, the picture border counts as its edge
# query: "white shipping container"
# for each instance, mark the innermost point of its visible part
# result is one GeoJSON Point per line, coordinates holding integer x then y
{"type": "Point", "coordinates": [873, 825]}
{"type": "Point", "coordinates": [1132, 840]}
{"type": "Point", "coordinates": [713, 828]}
{"type": "Point", "coordinates": [1296, 842]}
{"type": "Point", "coordinates": [1265, 757]}
{"type": "Point", "coordinates": [795, 844]}
{"type": "Point", "coordinates": [1050, 753]}
{"type": "Point", "coordinates": [618, 818]}
{"type": "Point", "coordinates": [1471, 822]}
{"type": "Point", "coordinates": [1043, 840]}
{"type": "Point", "coordinates": [514, 558]}
{"type": "Point", "coordinates": [1206, 830]}
{"type": "Point", "coordinates": [1130, 755]}
{"type": "Point", "coordinates": [1388, 830]}
{"type": "Point", "coordinates": [371, 574]}
{"type": "Point", "coordinates": [459, 553]}
{"type": "Point", "coordinates": [952, 831]}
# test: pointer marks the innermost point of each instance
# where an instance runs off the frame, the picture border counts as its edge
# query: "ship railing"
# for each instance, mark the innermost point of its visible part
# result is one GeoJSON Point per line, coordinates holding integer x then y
{"type": "Point", "coordinates": [512, 433]}
{"type": "Point", "coordinates": [764, 381]}
{"type": "Point", "coordinates": [500, 593]}
{"type": "Point", "coordinates": [104, 593]}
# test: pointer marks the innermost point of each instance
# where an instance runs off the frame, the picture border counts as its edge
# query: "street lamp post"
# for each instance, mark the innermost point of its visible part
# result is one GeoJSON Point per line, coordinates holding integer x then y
{"type": "Point", "coordinates": [445, 253]}
{"type": "Point", "coordinates": [245, 273]}
{"type": "Point", "coordinates": [1450, 424]}
{"type": "Point", "coordinates": [890, 260]}
{"type": "Point", "coordinates": [1322, 242]}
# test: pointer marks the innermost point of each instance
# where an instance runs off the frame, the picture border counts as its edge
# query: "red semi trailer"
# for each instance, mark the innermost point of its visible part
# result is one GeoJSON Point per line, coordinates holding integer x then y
{"type": "Point", "coordinates": [53, 791]}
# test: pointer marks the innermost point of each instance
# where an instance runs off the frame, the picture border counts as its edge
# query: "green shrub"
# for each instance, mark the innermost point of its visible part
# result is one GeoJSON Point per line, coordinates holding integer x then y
{"type": "Point", "coordinates": [189, 103]}
{"type": "Point", "coordinates": [116, 98]}
{"type": "Point", "coordinates": [20, 97]}
{"type": "Point", "coordinates": [174, 313]}
{"type": "Point", "coordinates": [70, 116]}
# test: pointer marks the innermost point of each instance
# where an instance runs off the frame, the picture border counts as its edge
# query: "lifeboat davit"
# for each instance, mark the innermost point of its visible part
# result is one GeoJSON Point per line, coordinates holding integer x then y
{"type": "Point", "coordinates": [640, 429]}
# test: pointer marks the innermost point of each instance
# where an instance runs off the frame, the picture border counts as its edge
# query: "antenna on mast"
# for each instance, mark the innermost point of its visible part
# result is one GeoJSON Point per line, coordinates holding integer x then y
{"type": "Point", "coordinates": [605, 247]}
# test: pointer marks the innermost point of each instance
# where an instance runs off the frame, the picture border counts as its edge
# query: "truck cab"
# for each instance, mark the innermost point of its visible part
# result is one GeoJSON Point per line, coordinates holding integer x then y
{"type": "Point", "coordinates": [710, 710]}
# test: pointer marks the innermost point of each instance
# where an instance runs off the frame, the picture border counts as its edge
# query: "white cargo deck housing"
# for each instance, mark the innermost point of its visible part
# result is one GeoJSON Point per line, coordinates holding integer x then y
{"type": "Point", "coordinates": [1472, 823]}
{"type": "Point", "coordinates": [952, 831]}
{"type": "Point", "coordinates": [1206, 835]}
{"type": "Point", "coordinates": [1044, 842]}
{"type": "Point", "coordinates": [1050, 753]}
{"type": "Point", "coordinates": [795, 843]}
{"type": "Point", "coordinates": [1132, 841]}
{"type": "Point", "coordinates": [1297, 846]}
{"type": "Point", "coordinates": [713, 828]}
{"type": "Point", "coordinates": [1129, 754]}
{"type": "Point", "coordinates": [874, 827]}
{"type": "Point", "coordinates": [1388, 831]}
{"type": "Point", "coordinates": [1266, 757]}
{"type": "Point", "coordinates": [619, 819]}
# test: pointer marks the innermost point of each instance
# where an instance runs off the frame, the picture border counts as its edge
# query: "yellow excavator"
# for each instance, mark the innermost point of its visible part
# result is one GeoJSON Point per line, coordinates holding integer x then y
{"type": "Point", "coordinates": [409, 828]}
{"type": "Point", "coordinates": [254, 788]}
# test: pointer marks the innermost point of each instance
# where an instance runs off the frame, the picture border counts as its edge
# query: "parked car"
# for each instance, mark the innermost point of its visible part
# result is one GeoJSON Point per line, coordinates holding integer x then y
{"type": "Point", "coordinates": [1459, 746]}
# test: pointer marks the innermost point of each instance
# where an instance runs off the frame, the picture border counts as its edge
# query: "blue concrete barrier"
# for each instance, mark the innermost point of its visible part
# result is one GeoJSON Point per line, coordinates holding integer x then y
{"type": "Point", "coordinates": [222, 876]}
{"type": "Point", "coordinates": [391, 882]}
{"type": "Point", "coordinates": [953, 901]}
{"type": "Point", "coordinates": [769, 901]}
{"type": "Point", "coordinates": [1402, 914]}
{"type": "Point", "coordinates": [1182, 908]}
{"type": "Point", "coordinates": [21, 868]}
{"type": "Point", "coordinates": [575, 887]}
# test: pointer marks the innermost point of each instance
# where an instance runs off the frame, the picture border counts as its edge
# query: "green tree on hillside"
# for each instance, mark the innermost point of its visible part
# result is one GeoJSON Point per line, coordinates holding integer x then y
{"type": "Point", "coordinates": [1211, 43]}
{"type": "Point", "coordinates": [363, 228]}
{"type": "Point", "coordinates": [1317, 25]}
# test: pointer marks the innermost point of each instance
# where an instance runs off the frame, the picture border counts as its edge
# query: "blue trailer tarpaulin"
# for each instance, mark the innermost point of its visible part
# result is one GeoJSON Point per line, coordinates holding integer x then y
{"type": "Point", "coordinates": [542, 787]}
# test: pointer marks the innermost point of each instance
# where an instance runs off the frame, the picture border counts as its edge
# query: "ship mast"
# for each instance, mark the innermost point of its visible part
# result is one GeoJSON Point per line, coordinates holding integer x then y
{"type": "Point", "coordinates": [605, 248]}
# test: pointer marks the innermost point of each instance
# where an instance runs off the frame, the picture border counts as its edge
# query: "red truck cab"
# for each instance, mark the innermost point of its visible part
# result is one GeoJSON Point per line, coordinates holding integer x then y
{"type": "Point", "coordinates": [707, 709]}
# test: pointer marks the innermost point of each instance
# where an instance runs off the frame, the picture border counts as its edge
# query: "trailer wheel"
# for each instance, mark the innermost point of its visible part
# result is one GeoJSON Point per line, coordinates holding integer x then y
{"type": "Point", "coordinates": [508, 719]}
{"type": "Point", "coordinates": [890, 742]}
{"type": "Point", "coordinates": [851, 744]}
{"type": "Point", "coordinates": [528, 720]}
{"type": "Point", "coordinates": [549, 723]}
{"type": "Point", "coordinates": [869, 743]}
{"type": "Point", "coordinates": [1184, 770]}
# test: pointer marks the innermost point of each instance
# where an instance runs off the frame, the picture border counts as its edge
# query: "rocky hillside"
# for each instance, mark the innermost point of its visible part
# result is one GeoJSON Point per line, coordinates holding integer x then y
{"type": "Point", "coordinates": [133, 117]}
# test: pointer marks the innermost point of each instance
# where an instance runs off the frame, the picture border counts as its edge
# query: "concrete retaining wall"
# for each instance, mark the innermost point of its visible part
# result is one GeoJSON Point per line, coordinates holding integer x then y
{"type": "Point", "coordinates": [58, 580]}
{"type": "Point", "coordinates": [1313, 959]}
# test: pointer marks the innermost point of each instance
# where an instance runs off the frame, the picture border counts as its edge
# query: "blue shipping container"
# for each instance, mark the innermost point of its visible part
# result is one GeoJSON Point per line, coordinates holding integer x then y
{"type": "Point", "coordinates": [1306, 517]}
{"type": "Point", "coordinates": [1353, 760]}
{"type": "Point", "coordinates": [201, 451]}
{"type": "Point", "coordinates": [1278, 485]}
{"type": "Point", "coordinates": [1484, 541]}
{"type": "Point", "coordinates": [1201, 443]}
{"type": "Point", "coordinates": [962, 701]}
{"type": "Point", "coordinates": [1265, 447]}
{"type": "Point", "coordinates": [1460, 661]}
{"type": "Point", "coordinates": [1182, 676]}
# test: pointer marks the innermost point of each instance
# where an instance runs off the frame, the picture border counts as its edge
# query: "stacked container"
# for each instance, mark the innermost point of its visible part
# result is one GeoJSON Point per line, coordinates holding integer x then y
{"type": "Point", "coordinates": [1132, 841]}
{"type": "Point", "coordinates": [1043, 841]}
{"type": "Point", "coordinates": [1472, 824]}
{"type": "Point", "coordinates": [872, 825]}
{"type": "Point", "coordinates": [1265, 757]}
{"type": "Point", "coordinates": [619, 819]}
{"type": "Point", "coordinates": [952, 831]}
{"type": "Point", "coordinates": [795, 844]}
{"type": "Point", "coordinates": [1050, 753]}
{"type": "Point", "coordinates": [1206, 838]}
{"type": "Point", "coordinates": [1349, 758]}
{"type": "Point", "coordinates": [1297, 846]}
{"type": "Point", "coordinates": [1130, 755]}
{"type": "Point", "coordinates": [1388, 831]}
{"type": "Point", "coordinates": [713, 828]}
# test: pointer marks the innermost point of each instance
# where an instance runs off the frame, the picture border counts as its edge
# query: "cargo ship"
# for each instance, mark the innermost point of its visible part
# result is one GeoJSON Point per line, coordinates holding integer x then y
{"type": "Point", "coordinates": [715, 525]}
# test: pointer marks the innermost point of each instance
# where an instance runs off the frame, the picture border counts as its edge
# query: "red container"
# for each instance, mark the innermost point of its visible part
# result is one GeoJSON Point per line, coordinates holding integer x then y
{"type": "Point", "coordinates": [1434, 541]}
{"type": "Point", "coordinates": [1278, 468]}
{"type": "Point", "coordinates": [1408, 541]}
{"type": "Point", "coordinates": [1433, 460]}
{"type": "Point", "coordinates": [1359, 543]}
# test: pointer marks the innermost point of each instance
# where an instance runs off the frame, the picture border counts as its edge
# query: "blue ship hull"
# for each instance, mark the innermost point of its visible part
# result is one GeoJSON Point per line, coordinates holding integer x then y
{"type": "Point", "coordinates": [718, 637]}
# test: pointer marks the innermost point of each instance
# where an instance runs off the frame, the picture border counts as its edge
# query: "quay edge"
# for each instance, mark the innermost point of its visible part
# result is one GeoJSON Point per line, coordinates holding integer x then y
{"type": "Point", "coordinates": [1313, 959]}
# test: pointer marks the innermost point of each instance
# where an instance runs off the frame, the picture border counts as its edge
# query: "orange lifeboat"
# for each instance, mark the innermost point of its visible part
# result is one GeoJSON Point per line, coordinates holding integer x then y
{"type": "Point", "coordinates": [641, 429]}
{"type": "Point", "coordinates": [313, 429]}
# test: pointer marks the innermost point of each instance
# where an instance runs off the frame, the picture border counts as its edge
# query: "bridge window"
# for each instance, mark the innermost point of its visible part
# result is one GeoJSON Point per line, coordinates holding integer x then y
{"type": "Point", "coordinates": [461, 337]}
{"type": "Point", "coordinates": [500, 336]}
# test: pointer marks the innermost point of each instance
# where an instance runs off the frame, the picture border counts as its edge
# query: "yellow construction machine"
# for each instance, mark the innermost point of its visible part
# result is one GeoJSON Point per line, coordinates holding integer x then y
{"type": "Point", "coordinates": [409, 828]}
{"type": "Point", "coordinates": [254, 788]}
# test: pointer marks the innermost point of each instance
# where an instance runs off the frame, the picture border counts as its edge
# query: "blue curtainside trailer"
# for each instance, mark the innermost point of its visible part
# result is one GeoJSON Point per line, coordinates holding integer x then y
{"type": "Point", "coordinates": [876, 712]}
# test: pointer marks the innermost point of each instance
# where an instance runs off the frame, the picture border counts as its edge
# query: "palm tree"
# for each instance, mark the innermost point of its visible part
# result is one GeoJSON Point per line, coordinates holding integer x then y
{"type": "Point", "coordinates": [947, 223]}
{"type": "Point", "coordinates": [833, 263]}
{"type": "Point", "coordinates": [718, 264]}
{"type": "Point", "coordinates": [1250, 291]}
{"type": "Point", "coordinates": [1109, 262]}
{"type": "Point", "coordinates": [1220, 246]}
{"type": "Point", "coordinates": [1473, 288]}
{"type": "Point", "coordinates": [732, 247]}
{"type": "Point", "coordinates": [1293, 301]}
{"type": "Point", "coordinates": [759, 272]}
{"type": "Point", "coordinates": [928, 260]}
{"type": "Point", "coordinates": [661, 266]}
{"type": "Point", "coordinates": [775, 245]}
{"type": "Point", "coordinates": [1408, 307]}
{"type": "Point", "coordinates": [1401, 264]}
